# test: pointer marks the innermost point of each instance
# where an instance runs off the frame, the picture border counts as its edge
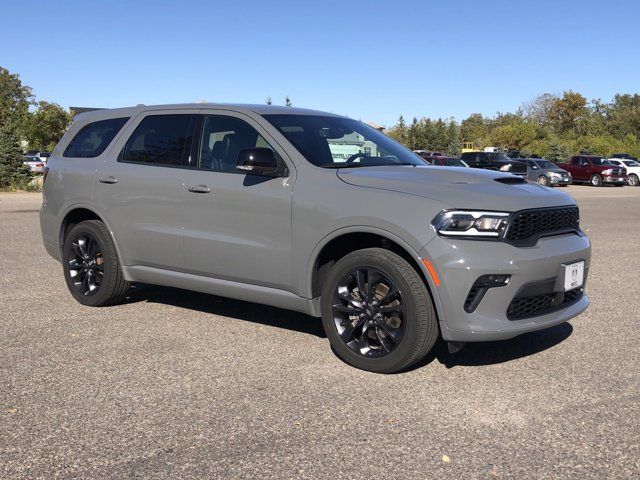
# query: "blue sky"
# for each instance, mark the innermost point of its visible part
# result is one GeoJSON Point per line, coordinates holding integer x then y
{"type": "Point", "coordinates": [372, 60]}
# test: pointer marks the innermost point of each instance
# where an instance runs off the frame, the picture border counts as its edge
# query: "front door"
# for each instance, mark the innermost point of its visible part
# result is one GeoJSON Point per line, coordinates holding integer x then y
{"type": "Point", "coordinates": [236, 227]}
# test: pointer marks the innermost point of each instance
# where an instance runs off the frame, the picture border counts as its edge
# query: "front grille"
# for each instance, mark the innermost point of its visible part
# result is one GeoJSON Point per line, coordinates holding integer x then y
{"type": "Point", "coordinates": [529, 223]}
{"type": "Point", "coordinates": [527, 307]}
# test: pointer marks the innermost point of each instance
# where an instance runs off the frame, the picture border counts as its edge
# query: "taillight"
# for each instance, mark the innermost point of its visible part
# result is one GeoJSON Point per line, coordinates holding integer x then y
{"type": "Point", "coordinates": [44, 177]}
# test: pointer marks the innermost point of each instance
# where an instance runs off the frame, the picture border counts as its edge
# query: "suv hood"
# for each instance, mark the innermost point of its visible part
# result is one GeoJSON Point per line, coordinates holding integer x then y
{"type": "Point", "coordinates": [466, 188]}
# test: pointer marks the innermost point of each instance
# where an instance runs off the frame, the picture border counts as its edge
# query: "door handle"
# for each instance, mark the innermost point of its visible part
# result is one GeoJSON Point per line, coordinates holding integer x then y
{"type": "Point", "coordinates": [109, 179]}
{"type": "Point", "coordinates": [200, 189]}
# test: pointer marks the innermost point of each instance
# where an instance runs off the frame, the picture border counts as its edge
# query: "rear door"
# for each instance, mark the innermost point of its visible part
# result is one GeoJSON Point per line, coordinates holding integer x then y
{"type": "Point", "coordinates": [237, 227]}
{"type": "Point", "coordinates": [140, 189]}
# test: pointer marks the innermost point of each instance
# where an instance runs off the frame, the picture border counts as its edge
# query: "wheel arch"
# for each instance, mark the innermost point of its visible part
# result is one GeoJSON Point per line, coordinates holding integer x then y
{"type": "Point", "coordinates": [79, 213]}
{"type": "Point", "coordinates": [346, 240]}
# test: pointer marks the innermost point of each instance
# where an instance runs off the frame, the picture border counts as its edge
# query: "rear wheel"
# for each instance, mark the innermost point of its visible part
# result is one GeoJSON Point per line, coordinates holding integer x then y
{"type": "Point", "coordinates": [633, 180]}
{"type": "Point", "coordinates": [543, 180]}
{"type": "Point", "coordinates": [596, 180]}
{"type": "Point", "coordinates": [91, 266]}
{"type": "Point", "coordinates": [377, 312]}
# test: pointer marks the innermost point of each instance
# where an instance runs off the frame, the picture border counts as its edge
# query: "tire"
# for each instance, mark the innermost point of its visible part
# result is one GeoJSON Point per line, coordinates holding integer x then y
{"type": "Point", "coordinates": [414, 326]}
{"type": "Point", "coordinates": [97, 278]}
{"type": "Point", "coordinates": [543, 180]}
{"type": "Point", "coordinates": [596, 181]}
{"type": "Point", "coordinates": [633, 180]}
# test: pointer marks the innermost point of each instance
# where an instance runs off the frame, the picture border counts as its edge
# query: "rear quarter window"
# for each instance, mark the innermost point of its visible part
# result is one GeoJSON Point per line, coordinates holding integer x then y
{"type": "Point", "coordinates": [94, 138]}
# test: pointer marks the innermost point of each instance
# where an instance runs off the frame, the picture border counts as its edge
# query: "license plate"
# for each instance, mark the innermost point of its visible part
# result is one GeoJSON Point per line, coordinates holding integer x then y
{"type": "Point", "coordinates": [573, 275]}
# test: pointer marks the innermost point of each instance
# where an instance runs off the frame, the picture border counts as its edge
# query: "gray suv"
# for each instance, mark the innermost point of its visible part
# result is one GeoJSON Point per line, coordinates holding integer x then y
{"type": "Point", "coordinates": [312, 212]}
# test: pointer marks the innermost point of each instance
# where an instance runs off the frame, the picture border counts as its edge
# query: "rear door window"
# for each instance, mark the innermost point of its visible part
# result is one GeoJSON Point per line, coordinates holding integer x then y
{"type": "Point", "coordinates": [94, 138]}
{"type": "Point", "coordinates": [160, 140]}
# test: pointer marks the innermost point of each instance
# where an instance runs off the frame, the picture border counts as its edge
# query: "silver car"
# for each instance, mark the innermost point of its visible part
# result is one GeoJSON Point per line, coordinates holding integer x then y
{"type": "Point", "coordinates": [547, 173]}
{"type": "Point", "coordinates": [313, 212]}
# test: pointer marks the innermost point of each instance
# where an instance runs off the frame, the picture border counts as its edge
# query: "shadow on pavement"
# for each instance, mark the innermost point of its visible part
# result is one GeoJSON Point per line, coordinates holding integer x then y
{"type": "Point", "coordinates": [490, 353]}
{"type": "Point", "coordinates": [473, 354]}
{"type": "Point", "coordinates": [227, 307]}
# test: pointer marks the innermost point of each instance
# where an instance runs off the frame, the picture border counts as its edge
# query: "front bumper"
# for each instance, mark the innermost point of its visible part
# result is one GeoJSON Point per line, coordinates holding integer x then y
{"type": "Point", "coordinates": [615, 179]}
{"type": "Point", "coordinates": [459, 263]}
{"type": "Point", "coordinates": [560, 180]}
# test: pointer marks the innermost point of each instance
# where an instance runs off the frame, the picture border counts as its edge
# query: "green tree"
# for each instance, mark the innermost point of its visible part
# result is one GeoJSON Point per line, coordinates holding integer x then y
{"type": "Point", "coordinates": [567, 112]}
{"type": "Point", "coordinates": [15, 99]}
{"type": "Point", "coordinates": [517, 134]}
{"type": "Point", "coordinates": [474, 129]}
{"type": "Point", "coordinates": [12, 171]}
{"type": "Point", "coordinates": [46, 126]}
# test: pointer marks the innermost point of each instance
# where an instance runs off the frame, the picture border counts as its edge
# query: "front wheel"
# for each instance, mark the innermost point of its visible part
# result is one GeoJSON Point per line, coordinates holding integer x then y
{"type": "Point", "coordinates": [543, 180]}
{"type": "Point", "coordinates": [91, 266]}
{"type": "Point", "coordinates": [633, 180]}
{"type": "Point", "coordinates": [377, 312]}
{"type": "Point", "coordinates": [596, 180]}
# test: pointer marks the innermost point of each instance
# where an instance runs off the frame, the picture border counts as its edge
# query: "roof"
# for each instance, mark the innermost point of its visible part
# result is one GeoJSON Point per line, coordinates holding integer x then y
{"type": "Point", "coordinates": [235, 107]}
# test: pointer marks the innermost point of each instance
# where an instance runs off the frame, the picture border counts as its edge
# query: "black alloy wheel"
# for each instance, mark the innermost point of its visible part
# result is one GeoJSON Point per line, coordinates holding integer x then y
{"type": "Point", "coordinates": [86, 265]}
{"type": "Point", "coordinates": [369, 312]}
{"type": "Point", "coordinates": [377, 311]}
{"type": "Point", "coordinates": [91, 266]}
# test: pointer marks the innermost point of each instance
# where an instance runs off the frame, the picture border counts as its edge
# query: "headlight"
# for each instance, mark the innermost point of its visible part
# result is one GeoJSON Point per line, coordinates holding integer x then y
{"type": "Point", "coordinates": [608, 171]}
{"type": "Point", "coordinates": [462, 223]}
{"type": "Point", "coordinates": [555, 175]}
{"type": "Point", "coordinates": [505, 168]}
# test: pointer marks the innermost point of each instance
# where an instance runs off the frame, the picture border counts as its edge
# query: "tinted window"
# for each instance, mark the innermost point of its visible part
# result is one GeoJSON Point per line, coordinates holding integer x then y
{"type": "Point", "coordinates": [222, 140]}
{"type": "Point", "coordinates": [159, 140]}
{"type": "Point", "coordinates": [94, 138]}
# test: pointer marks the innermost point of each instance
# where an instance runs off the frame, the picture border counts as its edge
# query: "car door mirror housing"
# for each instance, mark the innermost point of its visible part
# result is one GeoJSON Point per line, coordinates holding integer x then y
{"type": "Point", "coordinates": [258, 161]}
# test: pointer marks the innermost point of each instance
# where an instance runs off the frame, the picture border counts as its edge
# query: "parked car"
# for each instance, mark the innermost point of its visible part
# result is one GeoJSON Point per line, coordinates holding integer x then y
{"type": "Point", "coordinates": [43, 156]}
{"type": "Point", "coordinates": [259, 203]}
{"type": "Point", "coordinates": [595, 170]}
{"type": "Point", "coordinates": [443, 161]}
{"type": "Point", "coordinates": [625, 156]}
{"type": "Point", "coordinates": [632, 167]}
{"type": "Point", "coordinates": [34, 163]}
{"type": "Point", "coordinates": [494, 161]}
{"type": "Point", "coordinates": [427, 154]}
{"type": "Point", "coordinates": [545, 172]}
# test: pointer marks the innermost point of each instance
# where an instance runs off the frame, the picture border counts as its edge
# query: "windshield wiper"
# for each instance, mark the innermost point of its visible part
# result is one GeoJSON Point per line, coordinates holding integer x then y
{"type": "Point", "coordinates": [358, 165]}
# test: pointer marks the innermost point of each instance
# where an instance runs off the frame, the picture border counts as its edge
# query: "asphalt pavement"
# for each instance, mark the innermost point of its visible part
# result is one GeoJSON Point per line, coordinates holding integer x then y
{"type": "Point", "coordinates": [174, 384]}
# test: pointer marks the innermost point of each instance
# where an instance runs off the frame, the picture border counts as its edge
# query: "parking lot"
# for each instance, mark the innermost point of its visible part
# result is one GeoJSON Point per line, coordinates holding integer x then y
{"type": "Point", "coordinates": [179, 384]}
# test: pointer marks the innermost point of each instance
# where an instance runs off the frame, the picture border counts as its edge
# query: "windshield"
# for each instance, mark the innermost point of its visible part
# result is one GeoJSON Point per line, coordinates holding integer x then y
{"type": "Point", "coordinates": [453, 162]}
{"type": "Point", "coordinates": [631, 163]}
{"type": "Point", "coordinates": [336, 142]}
{"type": "Point", "coordinates": [601, 161]}
{"type": "Point", "coordinates": [545, 164]}
{"type": "Point", "coordinates": [498, 156]}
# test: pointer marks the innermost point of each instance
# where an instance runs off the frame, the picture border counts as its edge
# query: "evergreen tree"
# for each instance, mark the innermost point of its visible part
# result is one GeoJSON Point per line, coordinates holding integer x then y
{"type": "Point", "coordinates": [12, 171]}
{"type": "Point", "coordinates": [453, 139]}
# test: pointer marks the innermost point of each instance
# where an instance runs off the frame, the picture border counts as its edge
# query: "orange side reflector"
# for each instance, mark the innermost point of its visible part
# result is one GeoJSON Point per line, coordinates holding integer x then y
{"type": "Point", "coordinates": [432, 272]}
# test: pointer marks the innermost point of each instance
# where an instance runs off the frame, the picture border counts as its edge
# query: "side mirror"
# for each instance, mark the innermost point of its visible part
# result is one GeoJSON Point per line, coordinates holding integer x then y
{"type": "Point", "coordinates": [258, 161]}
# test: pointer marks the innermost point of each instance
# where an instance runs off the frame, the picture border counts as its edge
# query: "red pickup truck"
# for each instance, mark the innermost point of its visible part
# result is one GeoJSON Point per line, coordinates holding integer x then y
{"type": "Point", "coordinates": [595, 170]}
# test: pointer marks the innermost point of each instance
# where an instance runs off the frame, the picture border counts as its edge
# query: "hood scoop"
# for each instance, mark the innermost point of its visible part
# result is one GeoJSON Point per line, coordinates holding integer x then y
{"type": "Point", "coordinates": [511, 180]}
